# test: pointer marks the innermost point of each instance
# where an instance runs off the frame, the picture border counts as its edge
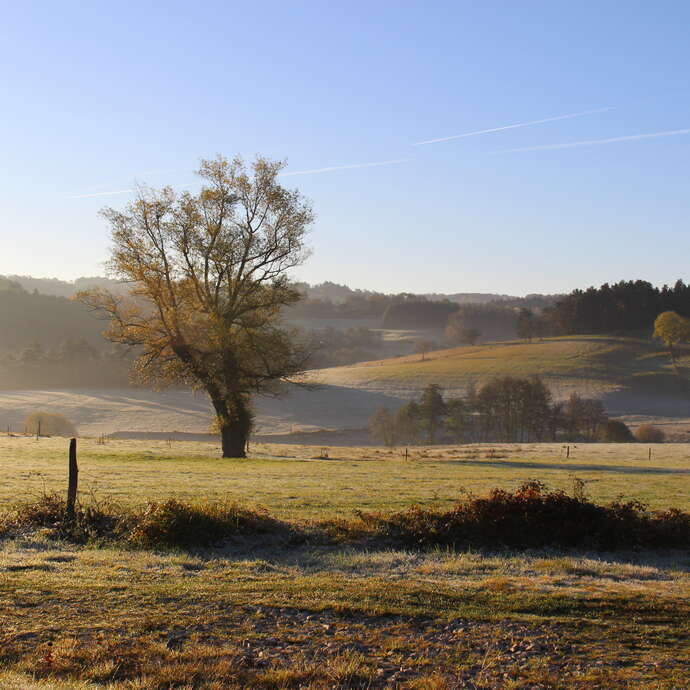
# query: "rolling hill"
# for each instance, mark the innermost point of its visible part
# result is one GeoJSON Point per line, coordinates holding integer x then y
{"type": "Point", "coordinates": [632, 375]}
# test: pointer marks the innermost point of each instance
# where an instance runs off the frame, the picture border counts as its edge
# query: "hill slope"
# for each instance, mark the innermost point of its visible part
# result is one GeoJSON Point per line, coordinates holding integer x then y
{"type": "Point", "coordinates": [629, 373]}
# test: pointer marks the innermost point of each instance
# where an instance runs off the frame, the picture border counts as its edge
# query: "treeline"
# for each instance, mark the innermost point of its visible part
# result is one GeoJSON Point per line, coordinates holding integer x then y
{"type": "Point", "coordinates": [403, 310]}
{"type": "Point", "coordinates": [62, 288]}
{"type": "Point", "coordinates": [625, 306]}
{"type": "Point", "coordinates": [508, 409]}
{"type": "Point", "coordinates": [74, 363]}
{"type": "Point", "coordinates": [27, 318]}
{"type": "Point", "coordinates": [332, 347]}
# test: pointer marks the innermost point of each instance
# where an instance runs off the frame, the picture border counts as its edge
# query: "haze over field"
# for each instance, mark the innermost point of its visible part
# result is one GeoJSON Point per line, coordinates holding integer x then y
{"type": "Point", "coordinates": [344, 345]}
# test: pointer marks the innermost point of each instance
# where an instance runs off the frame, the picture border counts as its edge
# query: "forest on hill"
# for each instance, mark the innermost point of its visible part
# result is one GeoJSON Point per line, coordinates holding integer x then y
{"type": "Point", "coordinates": [52, 340]}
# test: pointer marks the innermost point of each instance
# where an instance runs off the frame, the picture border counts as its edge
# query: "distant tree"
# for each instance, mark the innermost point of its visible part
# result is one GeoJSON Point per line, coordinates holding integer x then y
{"type": "Point", "coordinates": [209, 277]}
{"type": "Point", "coordinates": [382, 426]}
{"type": "Point", "coordinates": [614, 431]}
{"type": "Point", "coordinates": [514, 409]}
{"type": "Point", "coordinates": [456, 420]}
{"type": "Point", "coordinates": [594, 415]}
{"type": "Point", "coordinates": [673, 330]}
{"type": "Point", "coordinates": [648, 433]}
{"type": "Point", "coordinates": [582, 416]}
{"type": "Point", "coordinates": [432, 408]}
{"type": "Point", "coordinates": [407, 423]}
{"type": "Point", "coordinates": [526, 324]}
{"type": "Point", "coordinates": [469, 336]}
{"type": "Point", "coordinates": [422, 347]}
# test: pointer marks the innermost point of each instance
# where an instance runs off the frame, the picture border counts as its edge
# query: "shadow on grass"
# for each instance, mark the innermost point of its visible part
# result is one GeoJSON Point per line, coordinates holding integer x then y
{"type": "Point", "coordinates": [620, 469]}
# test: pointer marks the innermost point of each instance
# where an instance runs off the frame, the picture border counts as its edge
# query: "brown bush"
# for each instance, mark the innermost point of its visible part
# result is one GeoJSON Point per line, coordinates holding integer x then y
{"type": "Point", "coordinates": [533, 517]}
{"type": "Point", "coordinates": [89, 524]}
{"type": "Point", "coordinates": [648, 433]}
{"type": "Point", "coordinates": [49, 424]}
{"type": "Point", "coordinates": [177, 524]}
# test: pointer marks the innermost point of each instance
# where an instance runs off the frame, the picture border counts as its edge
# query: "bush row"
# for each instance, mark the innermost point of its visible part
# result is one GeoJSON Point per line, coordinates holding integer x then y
{"type": "Point", "coordinates": [530, 517]}
{"type": "Point", "coordinates": [172, 523]}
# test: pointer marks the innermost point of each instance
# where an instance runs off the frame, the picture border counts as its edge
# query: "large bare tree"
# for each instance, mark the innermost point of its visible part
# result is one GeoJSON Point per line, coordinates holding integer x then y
{"type": "Point", "coordinates": [208, 279]}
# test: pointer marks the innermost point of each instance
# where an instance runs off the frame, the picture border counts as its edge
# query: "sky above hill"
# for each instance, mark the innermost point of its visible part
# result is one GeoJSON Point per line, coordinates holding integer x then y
{"type": "Point", "coordinates": [447, 146]}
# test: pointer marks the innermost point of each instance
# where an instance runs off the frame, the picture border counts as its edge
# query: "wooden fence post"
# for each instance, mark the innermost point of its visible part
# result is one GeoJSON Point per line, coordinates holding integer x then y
{"type": "Point", "coordinates": [73, 477]}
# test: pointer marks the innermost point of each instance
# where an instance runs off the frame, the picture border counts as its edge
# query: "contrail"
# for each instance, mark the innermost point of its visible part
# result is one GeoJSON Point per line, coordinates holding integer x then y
{"type": "Point", "coordinates": [347, 167]}
{"type": "Point", "coordinates": [86, 196]}
{"type": "Point", "coordinates": [519, 124]}
{"type": "Point", "coordinates": [592, 142]}
{"type": "Point", "coordinates": [285, 174]}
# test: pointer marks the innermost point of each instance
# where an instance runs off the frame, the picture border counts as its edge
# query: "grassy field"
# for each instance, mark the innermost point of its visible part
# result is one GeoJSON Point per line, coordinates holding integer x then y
{"type": "Point", "coordinates": [597, 364]}
{"type": "Point", "coordinates": [268, 617]}
{"type": "Point", "coordinates": [262, 612]}
{"type": "Point", "coordinates": [294, 482]}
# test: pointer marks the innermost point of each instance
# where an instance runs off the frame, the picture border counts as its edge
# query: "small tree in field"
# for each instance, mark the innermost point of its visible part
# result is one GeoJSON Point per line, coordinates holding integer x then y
{"type": "Point", "coordinates": [431, 410]}
{"type": "Point", "coordinates": [382, 426]}
{"type": "Point", "coordinates": [208, 276]}
{"type": "Point", "coordinates": [673, 330]}
{"type": "Point", "coordinates": [422, 347]}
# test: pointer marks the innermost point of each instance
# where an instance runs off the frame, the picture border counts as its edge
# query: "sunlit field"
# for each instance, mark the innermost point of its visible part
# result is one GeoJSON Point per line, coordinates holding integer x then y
{"type": "Point", "coordinates": [300, 482]}
{"type": "Point", "coordinates": [591, 364]}
{"type": "Point", "coordinates": [267, 612]}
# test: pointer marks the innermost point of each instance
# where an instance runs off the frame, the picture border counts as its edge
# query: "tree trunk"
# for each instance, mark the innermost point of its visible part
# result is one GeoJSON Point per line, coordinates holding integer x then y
{"type": "Point", "coordinates": [234, 440]}
{"type": "Point", "coordinates": [235, 422]}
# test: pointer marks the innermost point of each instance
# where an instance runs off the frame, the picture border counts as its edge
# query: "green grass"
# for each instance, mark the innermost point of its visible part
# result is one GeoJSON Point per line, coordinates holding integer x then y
{"type": "Point", "coordinates": [298, 486]}
{"type": "Point", "coordinates": [601, 363]}
{"type": "Point", "coordinates": [266, 614]}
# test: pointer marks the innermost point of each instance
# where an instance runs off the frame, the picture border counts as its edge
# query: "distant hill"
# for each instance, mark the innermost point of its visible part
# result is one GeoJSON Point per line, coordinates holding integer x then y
{"type": "Point", "coordinates": [468, 297]}
{"type": "Point", "coordinates": [630, 374]}
{"type": "Point", "coordinates": [28, 318]}
{"type": "Point", "coordinates": [62, 288]}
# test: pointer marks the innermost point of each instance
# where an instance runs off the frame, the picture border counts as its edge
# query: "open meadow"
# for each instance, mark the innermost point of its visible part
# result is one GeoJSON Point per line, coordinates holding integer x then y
{"type": "Point", "coordinates": [298, 482]}
{"type": "Point", "coordinates": [269, 611]}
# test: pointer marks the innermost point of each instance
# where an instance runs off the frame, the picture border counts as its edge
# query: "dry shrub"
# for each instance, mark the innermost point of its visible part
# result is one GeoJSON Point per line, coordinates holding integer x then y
{"type": "Point", "coordinates": [533, 517]}
{"type": "Point", "coordinates": [177, 524]}
{"type": "Point", "coordinates": [648, 433]}
{"type": "Point", "coordinates": [49, 424]}
{"type": "Point", "coordinates": [169, 524]}
{"type": "Point", "coordinates": [89, 524]}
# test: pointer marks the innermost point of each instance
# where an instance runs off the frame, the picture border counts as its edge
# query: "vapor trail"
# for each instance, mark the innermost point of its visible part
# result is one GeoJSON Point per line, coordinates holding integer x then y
{"type": "Point", "coordinates": [346, 167]}
{"type": "Point", "coordinates": [592, 142]}
{"type": "Point", "coordinates": [515, 126]}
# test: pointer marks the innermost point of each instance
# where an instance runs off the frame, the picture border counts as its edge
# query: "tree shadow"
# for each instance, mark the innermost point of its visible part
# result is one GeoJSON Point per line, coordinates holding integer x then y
{"type": "Point", "coordinates": [619, 469]}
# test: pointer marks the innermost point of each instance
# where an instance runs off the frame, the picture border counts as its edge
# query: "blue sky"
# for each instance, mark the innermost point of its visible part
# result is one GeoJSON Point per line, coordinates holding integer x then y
{"type": "Point", "coordinates": [96, 96]}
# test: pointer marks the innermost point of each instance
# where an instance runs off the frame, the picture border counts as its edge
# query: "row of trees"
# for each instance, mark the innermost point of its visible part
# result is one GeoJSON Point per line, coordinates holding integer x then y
{"type": "Point", "coordinates": [625, 306]}
{"type": "Point", "coordinates": [69, 364]}
{"type": "Point", "coordinates": [27, 317]}
{"type": "Point", "coordinates": [507, 409]}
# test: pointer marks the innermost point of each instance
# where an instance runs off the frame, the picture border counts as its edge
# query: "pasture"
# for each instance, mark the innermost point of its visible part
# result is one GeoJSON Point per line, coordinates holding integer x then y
{"type": "Point", "coordinates": [263, 612]}
{"type": "Point", "coordinates": [295, 482]}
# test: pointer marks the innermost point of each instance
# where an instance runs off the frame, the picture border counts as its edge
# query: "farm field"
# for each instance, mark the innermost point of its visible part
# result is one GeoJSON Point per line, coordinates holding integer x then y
{"type": "Point", "coordinates": [631, 375]}
{"type": "Point", "coordinates": [293, 481]}
{"type": "Point", "coordinates": [261, 612]}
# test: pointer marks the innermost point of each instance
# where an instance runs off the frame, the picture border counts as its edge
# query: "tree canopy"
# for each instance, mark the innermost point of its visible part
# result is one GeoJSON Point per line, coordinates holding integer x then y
{"type": "Point", "coordinates": [208, 276]}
